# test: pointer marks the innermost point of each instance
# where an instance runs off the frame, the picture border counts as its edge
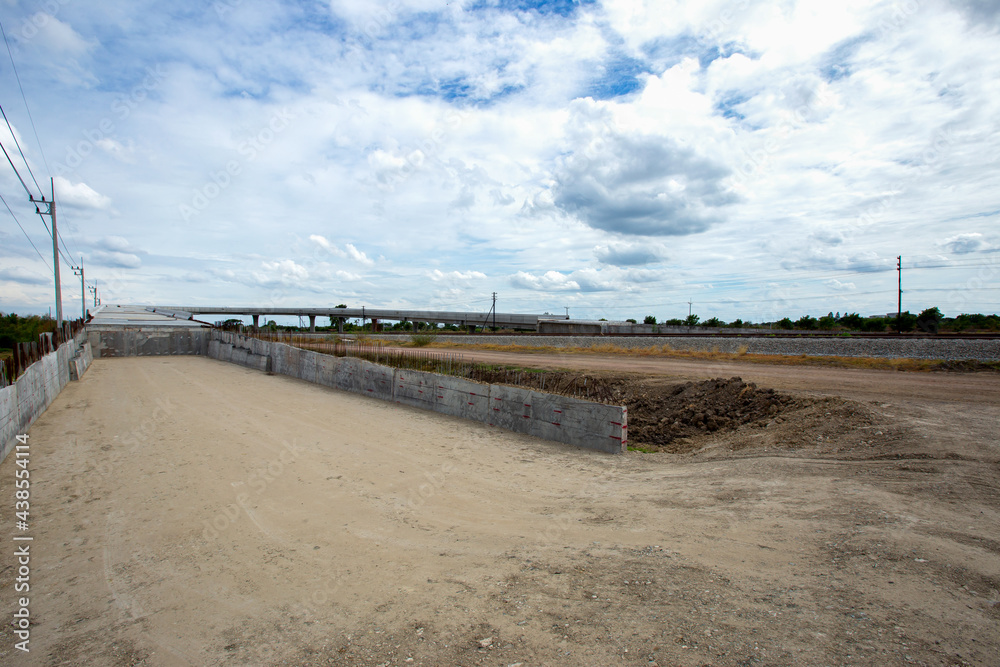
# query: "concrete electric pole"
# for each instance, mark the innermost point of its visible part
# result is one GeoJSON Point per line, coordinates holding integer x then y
{"type": "Point", "coordinates": [78, 270]}
{"type": "Point", "coordinates": [50, 210]}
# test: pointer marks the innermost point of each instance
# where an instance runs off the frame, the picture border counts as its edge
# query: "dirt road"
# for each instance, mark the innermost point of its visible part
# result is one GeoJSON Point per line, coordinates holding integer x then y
{"type": "Point", "coordinates": [859, 384]}
{"type": "Point", "coordinates": [191, 512]}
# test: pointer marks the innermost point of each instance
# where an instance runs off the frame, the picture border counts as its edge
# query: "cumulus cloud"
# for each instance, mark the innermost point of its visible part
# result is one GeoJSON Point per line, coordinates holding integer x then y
{"type": "Point", "coordinates": [80, 195]}
{"type": "Point", "coordinates": [962, 244]}
{"type": "Point", "coordinates": [349, 251]}
{"type": "Point", "coordinates": [638, 183]}
{"type": "Point", "coordinates": [455, 276]}
{"type": "Point", "coordinates": [24, 277]}
{"type": "Point", "coordinates": [630, 254]}
{"type": "Point", "coordinates": [284, 270]}
{"type": "Point", "coordinates": [358, 256]}
{"type": "Point", "coordinates": [550, 281]}
{"type": "Point", "coordinates": [115, 259]}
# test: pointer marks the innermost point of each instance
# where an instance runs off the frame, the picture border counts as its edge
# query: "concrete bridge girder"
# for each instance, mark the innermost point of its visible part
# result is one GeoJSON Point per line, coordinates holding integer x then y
{"type": "Point", "coordinates": [462, 319]}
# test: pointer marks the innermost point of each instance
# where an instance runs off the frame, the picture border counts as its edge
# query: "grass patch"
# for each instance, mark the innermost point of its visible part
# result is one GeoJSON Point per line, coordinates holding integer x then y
{"type": "Point", "coordinates": [422, 339]}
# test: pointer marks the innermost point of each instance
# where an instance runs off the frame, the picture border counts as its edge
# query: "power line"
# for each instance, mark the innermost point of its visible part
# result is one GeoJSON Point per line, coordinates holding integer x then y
{"type": "Point", "coordinates": [25, 233]}
{"type": "Point", "coordinates": [25, 185]}
{"type": "Point", "coordinates": [26, 108]}
{"type": "Point", "coordinates": [18, 144]}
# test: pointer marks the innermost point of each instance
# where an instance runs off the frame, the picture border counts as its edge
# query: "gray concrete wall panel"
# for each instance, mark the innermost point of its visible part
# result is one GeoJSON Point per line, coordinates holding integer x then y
{"type": "Point", "coordinates": [31, 394]}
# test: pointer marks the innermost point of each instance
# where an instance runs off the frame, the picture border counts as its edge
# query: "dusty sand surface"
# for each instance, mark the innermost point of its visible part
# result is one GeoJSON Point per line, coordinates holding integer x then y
{"type": "Point", "coordinates": [191, 512]}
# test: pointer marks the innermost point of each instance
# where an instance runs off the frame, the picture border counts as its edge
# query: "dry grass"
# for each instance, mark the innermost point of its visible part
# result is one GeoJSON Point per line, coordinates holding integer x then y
{"type": "Point", "coordinates": [742, 356]}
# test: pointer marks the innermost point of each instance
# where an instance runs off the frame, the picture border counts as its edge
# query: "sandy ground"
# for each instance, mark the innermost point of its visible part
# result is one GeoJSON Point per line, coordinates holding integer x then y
{"type": "Point", "coordinates": [191, 512]}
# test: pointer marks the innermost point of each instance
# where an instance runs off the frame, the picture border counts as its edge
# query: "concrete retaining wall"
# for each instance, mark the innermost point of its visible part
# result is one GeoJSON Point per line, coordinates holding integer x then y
{"type": "Point", "coordinates": [148, 341]}
{"type": "Point", "coordinates": [31, 394]}
{"type": "Point", "coordinates": [569, 420]}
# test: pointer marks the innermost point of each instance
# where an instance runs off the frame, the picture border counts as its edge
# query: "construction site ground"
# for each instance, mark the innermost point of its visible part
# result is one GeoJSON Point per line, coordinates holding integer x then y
{"type": "Point", "coordinates": [190, 512]}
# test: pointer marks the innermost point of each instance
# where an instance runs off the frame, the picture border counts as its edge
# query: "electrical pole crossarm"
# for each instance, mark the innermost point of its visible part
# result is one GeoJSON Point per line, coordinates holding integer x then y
{"type": "Point", "coordinates": [50, 210]}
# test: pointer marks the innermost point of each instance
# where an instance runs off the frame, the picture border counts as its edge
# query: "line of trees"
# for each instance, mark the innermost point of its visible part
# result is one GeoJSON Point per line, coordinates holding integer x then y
{"type": "Point", "coordinates": [15, 329]}
{"type": "Point", "coordinates": [930, 320]}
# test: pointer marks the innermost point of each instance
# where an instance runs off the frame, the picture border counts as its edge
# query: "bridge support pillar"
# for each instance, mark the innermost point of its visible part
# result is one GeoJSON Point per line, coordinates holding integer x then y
{"type": "Point", "coordinates": [375, 328]}
{"type": "Point", "coordinates": [471, 328]}
{"type": "Point", "coordinates": [340, 325]}
{"type": "Point", "coordinates": [256, 320]}
{"type": "Point", "coordinates": [312, 323]}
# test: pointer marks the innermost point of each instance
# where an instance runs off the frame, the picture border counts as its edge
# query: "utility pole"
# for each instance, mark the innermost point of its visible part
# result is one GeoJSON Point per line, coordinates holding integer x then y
{"type": "Point", "coordinates": [567, 311]}
{"type": "Point", "coordinates": [94, 292]}
{"type": "Point", "coordinates": [50, 210]}
{"type": "Point", "coordinates": [494, 311]}
{"type": "Point", "coordinates": [78, 270]}
{"type": "Point", "coordinates": [899, 295]}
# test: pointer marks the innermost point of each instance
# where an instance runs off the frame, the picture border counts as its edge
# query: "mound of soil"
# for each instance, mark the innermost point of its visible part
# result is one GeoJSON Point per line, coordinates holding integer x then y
{"type": "Point", "coordinates": [666, 418]}
{"type": "Point", "coordinates": [717, 417]}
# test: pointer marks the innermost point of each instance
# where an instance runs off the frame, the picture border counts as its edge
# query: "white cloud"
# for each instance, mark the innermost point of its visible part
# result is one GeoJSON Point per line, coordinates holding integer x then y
{"type": "Point", "coordinates": [115, 259]}
{"type": "Point", "coordinates": [961, 244]}
{"type": "Point", "coordinates": [24, 277]}
{"type": "Point", "coordinates": [620, 253]}
{"type": "Point", "coordinates": [597, 155]}
{"type": "Point", "coordinates": [455, 276]}
{"type": "Point", "coordinates": [79, 195]}
{"type": "Point", "coordinates": [549, 281]}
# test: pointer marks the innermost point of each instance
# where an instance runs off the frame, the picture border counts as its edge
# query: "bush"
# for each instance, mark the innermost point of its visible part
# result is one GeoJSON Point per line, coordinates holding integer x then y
{"type": "Point", "coordinates": [692, 320]}
{"type": "Point", "coordinates": [873, 324]}
{"type": "Point", "coordinates": [674, 322]}
{"type": "Point", "coordinates": [853, 321]}
{"type": "Point", "coordinates": [784, 323]}
{"type": "Point", "coordinates": [649, 319]}
{"type": "Point", "coordinates": [806, 322]}
{"type": "Point", "coordinates": [713, 322]}
{"type": "Point", "coordinates": [736, 324]}
{"type": "Point", "coordinates": [422, 339]}
{"type": "Point", "coordinates": [631, 320]}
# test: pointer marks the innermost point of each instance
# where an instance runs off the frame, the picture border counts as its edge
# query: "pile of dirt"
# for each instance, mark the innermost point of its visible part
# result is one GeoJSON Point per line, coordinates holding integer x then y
{"type": "Point", "coordinates": [669, 418]}
{"type": "Point", "coordinates": [716, 417]}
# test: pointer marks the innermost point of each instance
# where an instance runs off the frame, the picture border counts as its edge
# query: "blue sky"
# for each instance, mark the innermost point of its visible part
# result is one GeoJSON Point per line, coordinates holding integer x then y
{"type": "Point", "coordinates": [617, 158]}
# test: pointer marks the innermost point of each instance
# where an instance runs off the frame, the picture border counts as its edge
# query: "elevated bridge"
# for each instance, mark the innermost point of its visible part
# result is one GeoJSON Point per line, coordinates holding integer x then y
{"type": "Point", "coordinates": [339, 315]}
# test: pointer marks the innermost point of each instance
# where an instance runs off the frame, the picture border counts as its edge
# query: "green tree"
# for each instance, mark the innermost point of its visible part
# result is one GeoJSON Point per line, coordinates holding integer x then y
{"type": "Point", "coordinates": [806, 322]}
{"type": "Point", "coordinates": [692, 320]}
{"type": "Point", "coordinates": [929, 320]}
{"type": "Point", "coordinates": [784, 323]}
{"type": "Point", "coordinates": [713, 322]}
{"type": "Point", "coordinates": [907, 321]}
{"type": "Point", "coordinates": [632, 320]}
{"type": "Point", "coordinates": [736, 324]}
{"type": "Point", "coordinates": [852, 321]}
{"type": "Point", "coordinates": [874, 324]}
{"type": "Point", "coordinates": [828, 321]}
{"type": "Point", "coordinates": [674, 322]}
{"type": "Point", "coordinates": [649, 319]}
